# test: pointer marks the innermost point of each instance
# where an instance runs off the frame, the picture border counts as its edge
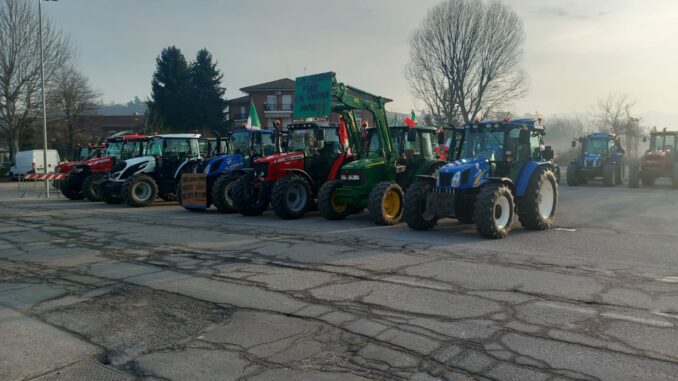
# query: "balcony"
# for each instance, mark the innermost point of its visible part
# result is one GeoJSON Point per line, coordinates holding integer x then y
{"type": "Point", "coordinates": [280, 108]}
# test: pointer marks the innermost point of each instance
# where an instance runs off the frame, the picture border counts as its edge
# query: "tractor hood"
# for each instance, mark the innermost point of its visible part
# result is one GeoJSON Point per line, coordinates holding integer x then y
{"type": "Point", "coordinates": [464, 174]}
{"type": "Point", "coordinates": [281, 157]}
{"type": "Point", "coordinates": [364, 164]}
{"type": "Point", "coordinates": [223, 163]}
{"type": "Point", "coordinates": [67, 166]}
{"type": "Point", "coordinates": [96, 161]}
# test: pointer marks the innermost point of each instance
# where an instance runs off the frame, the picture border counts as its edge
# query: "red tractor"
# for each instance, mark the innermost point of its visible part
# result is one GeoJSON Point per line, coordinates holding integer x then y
{"type": "Point", "coordinates": [661, 160]}
{"type": "Point", "coordinates": [81, 181]}
{"type": "Point", "coordinates": [290, 181]}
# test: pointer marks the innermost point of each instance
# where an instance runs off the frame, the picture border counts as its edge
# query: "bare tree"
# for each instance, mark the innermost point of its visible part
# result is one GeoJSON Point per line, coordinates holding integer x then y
{"type": "Point", "coordinates": [71, 101]}
{"type": "Point", "coordinates": [465, 59]}
{"type": "Point", "coordinates": [20, 65]}
{"type": "Point", "coordinates": [614, 114]}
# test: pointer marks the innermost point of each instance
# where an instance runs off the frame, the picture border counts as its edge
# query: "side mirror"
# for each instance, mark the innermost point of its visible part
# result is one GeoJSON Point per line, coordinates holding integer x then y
{"type": "Point", "coordinates": [547, 153]}
{"type": "Point", "coordinates": [574, 143]}
{"type": "Point", "coordinates": [524, 137]}
{"type": "Point", "coordinates": [441, 139]}
{"type": "Point", "coordinates": [411, 135]}
{"type": "Point", "coordinates": [257, 138]}
{"type": "Point", "coordinates": [320, 134]}
{"type": "Point", "coordinates": [644, 139]}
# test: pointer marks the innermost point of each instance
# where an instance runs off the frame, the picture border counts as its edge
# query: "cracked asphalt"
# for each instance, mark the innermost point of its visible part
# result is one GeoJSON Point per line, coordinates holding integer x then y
{"type": "Point", "coordinates": [93, 291]}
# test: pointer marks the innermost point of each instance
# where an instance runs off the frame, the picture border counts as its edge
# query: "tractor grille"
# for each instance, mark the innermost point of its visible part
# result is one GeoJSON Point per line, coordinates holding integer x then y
{"type": "Point", "coordinates": [446, 179]}
{"type": "Point", "coordinates": [261, 169]}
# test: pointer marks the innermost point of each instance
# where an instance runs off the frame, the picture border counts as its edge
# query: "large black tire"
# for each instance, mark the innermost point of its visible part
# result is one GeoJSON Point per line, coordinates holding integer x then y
{"type": "Point", "coordinates": [106, 195]}
{"type": "Point", "coordinates": [71, 190]}
{"type": "Point", "coordinates": [221, 192]}
{"type": "Point", "coordinates": [493, 213]}
{"type": "Point", "coordinates": [537, 207]}
{"type": "Point", "coordinates": [573, 174]}
{"type": "Point", "coordinates": [415, 207]}
{"type": "Point", "coordinates": [608, 174]}
{"type": "Point", "coordinates": [634, 174]}
{"type": "Point", "coordinates": [244, 203]}
{"type": "Point", "coordinates": [139, 191]}
{"type": "Point", "coordinates": [386, 203]}
{"type": "Point", "coordinates": [328, 208]}
{"type": "Point", "coordinates": [291, 197]}
{"type": "Point", "coordinates": [463, 210]}
{"type": "Point", "coordinates": [90, 187]}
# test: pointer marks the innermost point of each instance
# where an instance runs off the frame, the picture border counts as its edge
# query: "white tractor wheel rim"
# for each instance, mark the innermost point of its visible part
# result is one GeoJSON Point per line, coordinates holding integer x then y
{"type": "Point", "coordinates": [227, 192]}
{"type": "Point", "coordinates": [547, 197]}
{"type": "Point", "coordinates": [296, 197]}
{"type": "Point", "coordinates": [502, 212]}
{"type": "Point", "coordinates": [142, 191]}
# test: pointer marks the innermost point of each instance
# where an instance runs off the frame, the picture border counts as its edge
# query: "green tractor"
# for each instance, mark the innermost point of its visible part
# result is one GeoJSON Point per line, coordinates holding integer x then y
{"type": "Point", "coordinates": [394, 159]}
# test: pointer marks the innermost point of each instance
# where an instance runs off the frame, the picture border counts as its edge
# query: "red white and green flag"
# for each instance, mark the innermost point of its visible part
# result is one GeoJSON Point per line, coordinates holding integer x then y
{"type": "Point", "coordinates": [253, 122]}
{"type": "Point", "coordinates": [412, 120]}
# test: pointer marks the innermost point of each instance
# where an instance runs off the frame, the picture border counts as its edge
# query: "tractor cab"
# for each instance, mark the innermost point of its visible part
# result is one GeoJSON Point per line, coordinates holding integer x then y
{"type": "Point", "coordinates": [601, 155]}
{"type": "Point", "coordinates": [252, 143]}
{"type": "Point", "coordinates": [661, 160]}
{"type": "Point", "coordinates": [664, 141]}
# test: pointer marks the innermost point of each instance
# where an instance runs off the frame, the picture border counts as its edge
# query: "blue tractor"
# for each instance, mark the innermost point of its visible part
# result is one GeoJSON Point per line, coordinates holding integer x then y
{"type": "Point", "coordinates": [235, 152]}
{"type": "Point", "coordinates": [601, 155]}
{"type": "Point", "coordinates": [501, 169]}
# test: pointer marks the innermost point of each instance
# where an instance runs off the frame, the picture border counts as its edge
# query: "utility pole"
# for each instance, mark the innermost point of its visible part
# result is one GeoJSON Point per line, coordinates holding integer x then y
{"type": "Point", "coordinates": [44, 107]}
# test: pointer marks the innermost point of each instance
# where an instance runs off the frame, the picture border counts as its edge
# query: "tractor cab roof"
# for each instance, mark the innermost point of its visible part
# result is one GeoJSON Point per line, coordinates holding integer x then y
{"type": "Point", "coordinates": [417, 127]}
{"type": "Point", "coordinates": [602, 135]}
{"type": "Point", "coordinates": [529, 123]}
{"type": "Point", "coordinates": [177, 136]}
{"type": "Point", "coordinates": [246, 130]}
{"type": "Point", "coordinates": [307, 125]}
{"type": "Point", "coordinates": [126, 138]}
{"type": "Point", "coordinates": [664, 132]}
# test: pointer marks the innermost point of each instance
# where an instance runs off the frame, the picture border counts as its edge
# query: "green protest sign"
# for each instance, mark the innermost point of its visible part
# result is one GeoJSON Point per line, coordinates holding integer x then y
{"type": "Point", "coordinates": [313, 96]}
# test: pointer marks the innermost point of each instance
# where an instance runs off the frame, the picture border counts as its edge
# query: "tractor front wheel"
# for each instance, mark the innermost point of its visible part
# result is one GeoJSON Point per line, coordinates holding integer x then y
{"type": "Point", "coordinates": [493, 213]}
{"type": "Point", "coordinates": [139, 191]}
{"type": "Point", "coordinates": [329, 208]}
{"type": "Point", "coordinates": [415, 213]}
{"type": "Point", "coordinates": [90, 187]}
{"type": "Point", "coordinates": [71, 190]}
{"type": "Point", "coordinates": [222, 190]}
{"type": "Point", "coordinates": [608, 174]}
{"type": "Point", "coordinates": [104, 192]}
{"type": "Point", "coordinates": [537, 208]}
{"type": "Point", "coordinates": [634, 174]}
{"type": "Point", "coordinates": [386, 203]}
{"type": "Point", "coordinates": [572, 174]}
{"type": "Point", "coordinates": [244, 202]}
{"type": "Point", "coordinates": [291, 197]}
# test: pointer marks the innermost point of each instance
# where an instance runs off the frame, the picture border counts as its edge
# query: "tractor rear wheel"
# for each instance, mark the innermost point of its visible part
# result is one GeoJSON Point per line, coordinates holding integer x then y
{"type": "Point", "coordinates": [634, 174]}
{"type": "Point", "coordinates": [243, 202]}
{"type": "Point", "coordinates": [221, 192]}
{"type": "Point", "coordinates": [386, 203]}
{"type": "Point", "coordinates": [71, 190]}
{"type": "Point", "coordinates": [493, 213]}
{"type": "Point", "coordinates": [415, 214]}
{"type": "Point", "coordinates": [329, 208]}
{"type": "Point", "coordinates": [139, 191]}
{"type": "Point", "coordinates": [572, 174]}
{"type": "Point", "coordinates": [90, 187]}
{"type": "Point", "coordinates": [608, 174]}
{"type": "Point", "coordinates": [537, 208]}
{"type": "Point", "coordinates": [291, 197]}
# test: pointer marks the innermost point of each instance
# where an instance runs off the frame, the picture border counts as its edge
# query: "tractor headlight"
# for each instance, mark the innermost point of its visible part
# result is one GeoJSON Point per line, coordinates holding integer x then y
{"type": "Point", "coordinates": [456, 180]}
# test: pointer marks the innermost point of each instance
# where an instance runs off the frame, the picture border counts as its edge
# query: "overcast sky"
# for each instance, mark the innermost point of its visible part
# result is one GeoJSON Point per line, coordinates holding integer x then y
{"type": "Point", "coordinates": [576, 50]}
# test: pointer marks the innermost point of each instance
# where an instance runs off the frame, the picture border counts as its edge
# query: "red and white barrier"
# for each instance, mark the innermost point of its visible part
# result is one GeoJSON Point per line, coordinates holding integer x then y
{"type": "Point", "coordinates": [45, 176]}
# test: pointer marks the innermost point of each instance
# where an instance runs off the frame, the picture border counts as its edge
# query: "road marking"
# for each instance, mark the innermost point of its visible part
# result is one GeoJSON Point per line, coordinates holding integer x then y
{"type": "Point", "coordinates": [614, 315]}
{"type": "Point", "coordinates": [669, 279]}
{"type": "Point", "coordinates": [565, 229]}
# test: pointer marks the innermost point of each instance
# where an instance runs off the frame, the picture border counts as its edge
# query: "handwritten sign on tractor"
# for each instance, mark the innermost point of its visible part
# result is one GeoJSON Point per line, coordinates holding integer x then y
{"type": "Point", "coordinates": [313, 96]}
{"type": "Point", "coordinates": [194, 190]}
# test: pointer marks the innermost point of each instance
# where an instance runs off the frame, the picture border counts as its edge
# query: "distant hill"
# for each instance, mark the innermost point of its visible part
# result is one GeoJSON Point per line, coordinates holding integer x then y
{"type": "Point", "coordinates": [130, 108]}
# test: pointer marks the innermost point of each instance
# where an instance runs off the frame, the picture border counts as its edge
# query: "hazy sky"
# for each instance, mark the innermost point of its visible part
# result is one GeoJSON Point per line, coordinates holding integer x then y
{"type": "Point", "coordinates": [576, 50]}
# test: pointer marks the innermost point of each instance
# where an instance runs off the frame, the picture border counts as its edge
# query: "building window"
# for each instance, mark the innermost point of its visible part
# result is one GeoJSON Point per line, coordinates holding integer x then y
{"type": "Point", "coordinates": [242, 111]}
{"type": "Point", "coordinates": [287, 102]}
{"type": "Point", "coordinates": [271, 103]}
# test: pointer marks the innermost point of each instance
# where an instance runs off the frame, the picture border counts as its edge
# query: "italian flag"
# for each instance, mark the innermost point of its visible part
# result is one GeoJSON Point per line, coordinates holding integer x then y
{"type": "Point", "coordinates": [253, 122]}
{"type": "Point", "coordinates": [412, 120]}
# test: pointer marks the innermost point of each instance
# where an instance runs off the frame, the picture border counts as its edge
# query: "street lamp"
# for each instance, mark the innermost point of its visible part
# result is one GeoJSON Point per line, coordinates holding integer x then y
{"type": "Point", "coordinates": [44, 103]}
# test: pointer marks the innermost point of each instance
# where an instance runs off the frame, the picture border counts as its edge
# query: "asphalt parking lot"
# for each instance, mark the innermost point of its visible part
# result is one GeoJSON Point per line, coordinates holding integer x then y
{"type": "Point", "coordinates": [95, 291]}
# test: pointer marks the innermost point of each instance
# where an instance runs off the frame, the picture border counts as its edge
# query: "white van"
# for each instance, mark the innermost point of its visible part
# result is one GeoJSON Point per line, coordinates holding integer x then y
{"type": "Point", "coordinates": [28, 161]}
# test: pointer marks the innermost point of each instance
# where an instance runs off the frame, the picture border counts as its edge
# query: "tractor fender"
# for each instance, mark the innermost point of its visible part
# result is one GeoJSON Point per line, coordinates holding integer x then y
{"type": "Point", "coordinates": [243, 171]}
{"type": "Point", "coordinates": [526, 174]}
{"type": "Point", "coordinates": [431, 165]}
{"type": "Point", "coordinates": [427, 178]}
{"type": "Point", "coordinates": [302, 174]}
{"type": "Point", "coordinates": [502, 180]}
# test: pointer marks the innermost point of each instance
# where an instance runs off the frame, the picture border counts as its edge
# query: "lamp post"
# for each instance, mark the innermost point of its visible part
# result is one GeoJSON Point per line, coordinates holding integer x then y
{"type": "Point", "coordinates": [44, 103]}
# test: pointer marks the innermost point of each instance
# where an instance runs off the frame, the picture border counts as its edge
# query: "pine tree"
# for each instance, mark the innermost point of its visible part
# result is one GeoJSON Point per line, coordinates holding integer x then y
{"type": "Point", "coordinates": [172, 95]}
{"type": "Point", "coordinates": [210, 105]}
